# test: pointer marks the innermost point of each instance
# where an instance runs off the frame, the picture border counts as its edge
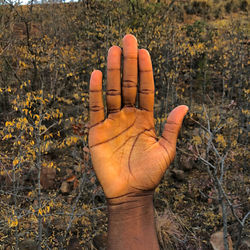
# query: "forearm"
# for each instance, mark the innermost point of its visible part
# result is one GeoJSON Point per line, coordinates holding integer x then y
{"type": "Point", "coordinates": [131, 223]}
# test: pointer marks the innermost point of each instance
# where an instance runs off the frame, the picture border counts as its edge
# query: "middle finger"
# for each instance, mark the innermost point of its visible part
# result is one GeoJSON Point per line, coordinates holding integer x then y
{"type": "Point", "coordinates": [130, 70]}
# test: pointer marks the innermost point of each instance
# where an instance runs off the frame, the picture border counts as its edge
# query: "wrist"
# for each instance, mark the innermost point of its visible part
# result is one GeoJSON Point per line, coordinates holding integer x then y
{"type": "Point", "coordinates": [131, 222]}
{"type": "Point", "coordinates": [131, 205]}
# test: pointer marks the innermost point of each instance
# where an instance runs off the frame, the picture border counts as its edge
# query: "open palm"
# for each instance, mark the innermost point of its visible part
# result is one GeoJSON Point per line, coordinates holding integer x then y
{"type": "Point", "coordinates": [126, 154]}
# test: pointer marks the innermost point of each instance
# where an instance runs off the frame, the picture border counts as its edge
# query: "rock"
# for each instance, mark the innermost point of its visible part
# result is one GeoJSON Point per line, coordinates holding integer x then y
{"type": "Point", "coordinates": [28, 244]}
{"type": "Point", "coordinates": [217, 241]}
{"type": "Point", "coordinates": [58, 224]}
{"type": "Point", "coordinates": [69, 199]}
{"type": "Point", "coordinates": [48, 175]}
{"type": "Point", "coordinates": [86, 149]}
{"type": "Point", "coordinates": [178, 174]}
{"type": "Point", "coordinates": [35, 204]}
{"type": "Point", "coordinates": [246, 242]}
{"type": "Point", "coordinates": [74, 244]}
{"type": "Point", "coordinates": [64, 187]}
{"type": "Point", "coordinates": [69, 171]}
{"type": "Point", "coordinates": [186, 162]}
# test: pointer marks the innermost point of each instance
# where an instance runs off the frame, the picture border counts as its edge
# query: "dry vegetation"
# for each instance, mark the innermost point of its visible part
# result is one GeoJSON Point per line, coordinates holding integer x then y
{"type": "Point", "coordinates": [49, 195]}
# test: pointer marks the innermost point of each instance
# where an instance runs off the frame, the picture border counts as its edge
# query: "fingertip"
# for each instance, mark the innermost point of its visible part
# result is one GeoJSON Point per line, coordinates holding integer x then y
{"type": "Point", "coordinates": [96, 80]}
{"type": "Point", "coordinates": [96, 73]}
{"type": "Point", "coordinates": [145, 63]}
{"type": "Point", "coordinates": [114, 49]}
{"type": "Point", "coordinates": [129, 42]}
{"type": "Point", "coordinates": [114, 58]}
{"type": "Point", "coordinates": [185, 108]}
{"type": "Point", "coordinates": [178, 113]}
{"type": "Point", "coordinates": [129, 37]}
{"type": "Point", "coordinates": [143, 52]}
{"type": "Point", "coordinates": [144, 56]}
{"type": "Point", "coordinates": [181, 108]}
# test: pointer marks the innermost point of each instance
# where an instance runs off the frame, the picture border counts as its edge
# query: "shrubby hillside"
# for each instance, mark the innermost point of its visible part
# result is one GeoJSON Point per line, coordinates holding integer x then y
{"type": "Point", "coordinates": [49, 195]}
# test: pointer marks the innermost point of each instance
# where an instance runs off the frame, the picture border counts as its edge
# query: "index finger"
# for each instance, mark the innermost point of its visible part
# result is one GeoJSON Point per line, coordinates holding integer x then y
{"type": "Point", "coordinates": [96, 107]}
{"type": "Point", "coordinates": [114, 79]}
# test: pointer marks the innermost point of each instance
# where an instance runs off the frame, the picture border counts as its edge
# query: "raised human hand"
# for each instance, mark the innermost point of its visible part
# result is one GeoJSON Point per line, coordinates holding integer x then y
{"type": "Point", "coordinates": [127, 156]}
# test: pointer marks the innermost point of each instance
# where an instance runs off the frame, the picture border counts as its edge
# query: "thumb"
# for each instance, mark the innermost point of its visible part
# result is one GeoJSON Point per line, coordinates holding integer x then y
{"type": "Point", "coordinates": [172, 128]}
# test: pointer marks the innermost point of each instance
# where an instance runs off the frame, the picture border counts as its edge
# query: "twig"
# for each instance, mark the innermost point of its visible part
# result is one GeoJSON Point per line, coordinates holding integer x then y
{"type": "Point", "coordinates": [207, 163]}
{"type": "Point", "coordinates": [51, 126]}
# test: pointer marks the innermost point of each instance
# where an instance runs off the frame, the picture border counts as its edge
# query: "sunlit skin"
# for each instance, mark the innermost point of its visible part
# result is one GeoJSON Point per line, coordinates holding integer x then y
{"type": "Point", "coordinates": [127, 156]}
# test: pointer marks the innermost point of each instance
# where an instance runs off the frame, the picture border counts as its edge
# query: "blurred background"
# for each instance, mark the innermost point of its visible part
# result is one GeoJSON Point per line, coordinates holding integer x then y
{"type": "Point", "coordinates": [49, 195]}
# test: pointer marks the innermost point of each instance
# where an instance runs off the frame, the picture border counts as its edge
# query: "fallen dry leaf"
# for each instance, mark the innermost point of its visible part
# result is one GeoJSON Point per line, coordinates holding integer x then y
{"type": "Point", "coordinates": [64, 187]}
{"type": "Point", "coordinates": [71, 178]}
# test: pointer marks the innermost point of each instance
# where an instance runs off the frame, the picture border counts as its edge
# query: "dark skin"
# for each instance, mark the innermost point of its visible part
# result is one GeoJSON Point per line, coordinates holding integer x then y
{"type": "Point", "coordinates": [128, 158]}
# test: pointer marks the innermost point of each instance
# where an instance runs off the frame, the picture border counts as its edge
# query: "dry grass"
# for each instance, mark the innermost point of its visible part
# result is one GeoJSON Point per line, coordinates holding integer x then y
{"type": "Point", "coordinates": [169, 229]}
